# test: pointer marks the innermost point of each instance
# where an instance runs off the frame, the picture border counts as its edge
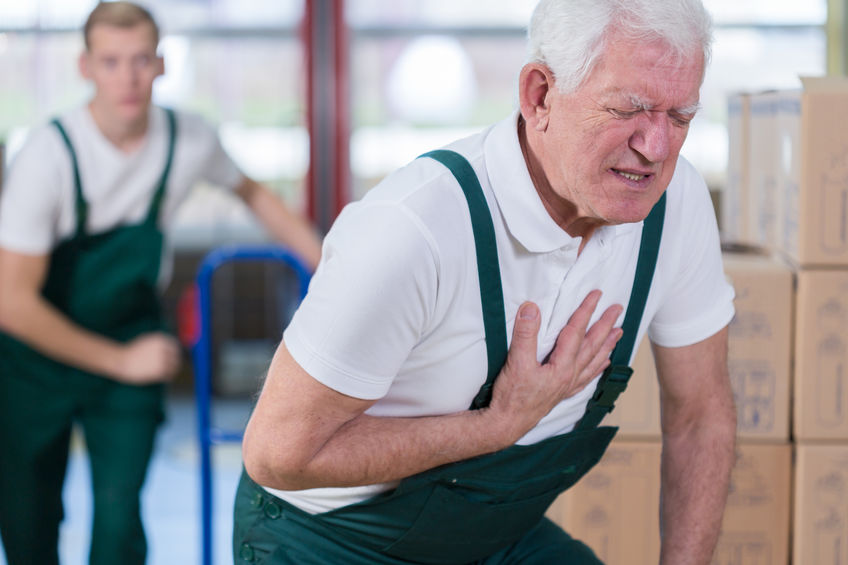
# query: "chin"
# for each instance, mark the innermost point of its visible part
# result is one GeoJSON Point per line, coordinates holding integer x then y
{"type": "Point", "coordinates": [630, 216]}
{"type": "Point", "coordinates": [133, 113]}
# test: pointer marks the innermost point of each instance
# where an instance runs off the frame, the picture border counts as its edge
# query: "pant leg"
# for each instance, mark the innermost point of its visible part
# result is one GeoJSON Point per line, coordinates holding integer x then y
{"type": "Point", "coordinates": [545, 544]}
{"type": "Point", "coordinates": [120, 428]}
{"type": "Point", "coordinates": [269, 531]}
{"type": "Point", "coordinates": [35, 430]}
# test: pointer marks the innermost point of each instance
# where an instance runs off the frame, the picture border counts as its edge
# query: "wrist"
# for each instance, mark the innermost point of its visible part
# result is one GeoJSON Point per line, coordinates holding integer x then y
{"type": "Point", "coordinates": [114, 359]}
{"type": "Point", "coordinates": [500, 432]}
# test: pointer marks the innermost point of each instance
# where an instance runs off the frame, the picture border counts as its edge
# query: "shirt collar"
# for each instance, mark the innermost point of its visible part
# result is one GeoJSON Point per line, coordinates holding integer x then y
{"type": "Point", "coordinates": [523, 211]}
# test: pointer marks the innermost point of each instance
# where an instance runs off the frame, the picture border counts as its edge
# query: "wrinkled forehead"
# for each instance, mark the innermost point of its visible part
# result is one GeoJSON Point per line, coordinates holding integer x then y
{"type": "Point", "coordinates": [643, 72]}
{"type": "Point", "coordinates": [105, 34]}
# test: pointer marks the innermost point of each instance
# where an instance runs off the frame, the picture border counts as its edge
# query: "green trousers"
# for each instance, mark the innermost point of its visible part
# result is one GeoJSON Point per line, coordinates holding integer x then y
{"type": "Point", "coordinates": [269, 531]}
{"type": "Point", "coordinates": [119, 423]}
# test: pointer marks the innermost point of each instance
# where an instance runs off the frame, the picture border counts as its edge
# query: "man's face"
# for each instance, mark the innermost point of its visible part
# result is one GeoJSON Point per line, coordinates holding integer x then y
{"type": "Point", "coordinates": [611, 146]}
{"type": "Point", "coordinates": [122, 63]}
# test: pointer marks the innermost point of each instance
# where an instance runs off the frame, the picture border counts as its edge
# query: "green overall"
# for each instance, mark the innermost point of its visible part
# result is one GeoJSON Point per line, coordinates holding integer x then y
{"type": "Point", "coordinates": [106, 283]}
{"type": "Point", "coordinates": [488, 509]}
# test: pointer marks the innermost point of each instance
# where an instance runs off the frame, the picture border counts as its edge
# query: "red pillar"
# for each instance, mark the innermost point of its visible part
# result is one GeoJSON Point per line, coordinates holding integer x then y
{"type": "Point", "coordinates": [326, 45]}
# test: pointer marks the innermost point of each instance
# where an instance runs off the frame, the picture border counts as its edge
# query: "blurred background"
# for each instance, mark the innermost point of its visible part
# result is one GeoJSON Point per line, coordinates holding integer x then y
{"type": "Point", "coordinates": [402, 77]}
{"type": "Point", "coordinates": [320, 99]}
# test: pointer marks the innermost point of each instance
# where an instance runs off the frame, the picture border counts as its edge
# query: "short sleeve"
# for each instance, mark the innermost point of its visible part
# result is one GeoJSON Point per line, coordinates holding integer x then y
{"type": "Point", "coordinates": [698, 301]}
{"type": "Point", "coordinates": [216, 166]}
{"type": "Point", "coordinates": [31, 196]}
{"type": "Point", "coordinates": [369, 301]}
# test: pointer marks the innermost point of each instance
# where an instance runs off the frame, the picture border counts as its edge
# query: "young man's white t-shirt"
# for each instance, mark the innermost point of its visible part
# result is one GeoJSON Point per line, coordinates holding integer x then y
{"type": "Point", "coordinates": [393, 312]}
{"type": "Point", "coordinates": [38, 199]}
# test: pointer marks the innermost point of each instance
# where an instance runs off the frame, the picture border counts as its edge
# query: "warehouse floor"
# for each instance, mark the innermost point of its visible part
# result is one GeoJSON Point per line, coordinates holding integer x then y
{"type": "Point", "coordinates": [171, 496]}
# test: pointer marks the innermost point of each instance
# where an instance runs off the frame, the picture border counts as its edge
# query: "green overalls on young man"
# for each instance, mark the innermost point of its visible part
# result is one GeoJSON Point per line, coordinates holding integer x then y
{"type": "Point", "coordinates": [488, 509]}
{"type": "Point", "coordinates": [106, 283]}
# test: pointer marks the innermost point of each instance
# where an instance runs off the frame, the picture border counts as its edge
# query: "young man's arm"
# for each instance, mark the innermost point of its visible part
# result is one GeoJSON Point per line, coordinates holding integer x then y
{"type": "Point", "coordinates": [286, 227]}
{"type": "Point", "coordinates": [699, 430]}
{"type": "Point", "coordinates": [27, 316]}
{"type": "Point", "coordinates": [305, 435]}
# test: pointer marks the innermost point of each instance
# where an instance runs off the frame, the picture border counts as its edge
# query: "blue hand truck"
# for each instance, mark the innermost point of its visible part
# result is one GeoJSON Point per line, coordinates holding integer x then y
{"type": "Point", "coordinates": [209, 436]}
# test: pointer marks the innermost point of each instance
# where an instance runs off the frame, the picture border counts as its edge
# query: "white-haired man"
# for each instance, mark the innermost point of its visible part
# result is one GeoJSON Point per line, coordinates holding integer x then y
{"type": "Point", "coordinates": [390, 430]}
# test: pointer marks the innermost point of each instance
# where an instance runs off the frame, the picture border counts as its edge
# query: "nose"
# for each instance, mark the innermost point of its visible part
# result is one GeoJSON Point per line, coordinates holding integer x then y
{"type": "Point", "coordinates": [128, 74]}
{"type": "Point", "coordinates": [652, 138]}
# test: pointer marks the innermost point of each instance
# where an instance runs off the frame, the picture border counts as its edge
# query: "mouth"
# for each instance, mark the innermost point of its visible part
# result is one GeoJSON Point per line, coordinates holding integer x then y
{"type": "Point", "coordinates": [631, 176]}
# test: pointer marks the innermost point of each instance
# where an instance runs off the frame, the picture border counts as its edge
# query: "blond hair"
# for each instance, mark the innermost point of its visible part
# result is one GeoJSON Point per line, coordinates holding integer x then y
{"type": "Point", "coordinates": [119, 14]}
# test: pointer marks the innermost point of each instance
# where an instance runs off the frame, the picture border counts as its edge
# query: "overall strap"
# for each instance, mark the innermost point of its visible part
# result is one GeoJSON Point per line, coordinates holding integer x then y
{"type": "Point", "coordinates": [615, 377]}
{"type": "Point", "coordinates": [156, 203]}
{"type": "Point", "coordinates": [81, 204]}
{"type": "Point", "coordinates": [488, 270]}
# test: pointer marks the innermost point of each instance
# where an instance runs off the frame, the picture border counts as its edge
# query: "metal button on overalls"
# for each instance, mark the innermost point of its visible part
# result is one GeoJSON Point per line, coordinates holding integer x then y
{"type": "Point", "coordinates": [246, 553]}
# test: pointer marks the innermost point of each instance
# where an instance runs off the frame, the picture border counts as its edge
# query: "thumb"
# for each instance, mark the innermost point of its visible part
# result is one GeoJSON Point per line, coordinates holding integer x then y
{"type": "Point", "coordinates": [526, 331]}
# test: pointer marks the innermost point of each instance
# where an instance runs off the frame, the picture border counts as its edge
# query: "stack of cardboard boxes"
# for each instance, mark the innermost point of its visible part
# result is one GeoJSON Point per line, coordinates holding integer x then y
{"type": "Point", "coordinates": [786, 200]}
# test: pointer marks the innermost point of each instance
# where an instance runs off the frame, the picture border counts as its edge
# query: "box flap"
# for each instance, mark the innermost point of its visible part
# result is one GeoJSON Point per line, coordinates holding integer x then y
{"type": "Point", "coordinates": [825, 84]}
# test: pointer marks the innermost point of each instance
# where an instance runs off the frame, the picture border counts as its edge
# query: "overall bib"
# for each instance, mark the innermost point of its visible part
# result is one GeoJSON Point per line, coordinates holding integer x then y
{"type": "Point", "coordinates": [488, 509]}
{"type": "Point", "coordinates": [106, 283]}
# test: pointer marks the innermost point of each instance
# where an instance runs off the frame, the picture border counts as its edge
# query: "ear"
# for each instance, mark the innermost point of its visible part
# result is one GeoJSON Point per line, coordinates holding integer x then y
{"type": "Point", "coordinates": [84, 66]}
{"type": "Point", "coordinates": [535, 82]}
{"type": "Point", "coordinates": [160, 66]}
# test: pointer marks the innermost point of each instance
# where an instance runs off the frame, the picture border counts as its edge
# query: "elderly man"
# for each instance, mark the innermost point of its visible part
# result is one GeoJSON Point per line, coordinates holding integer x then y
{"type": "Point", "coordinates": [391, 431]}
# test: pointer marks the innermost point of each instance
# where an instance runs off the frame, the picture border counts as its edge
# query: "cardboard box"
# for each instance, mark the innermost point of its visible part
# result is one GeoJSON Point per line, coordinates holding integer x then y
{"type": "Point", "coordinates": [820, 533]}
{"type": "Point", "coordinates": [813, 209]}
{"type": "Point", "coordinates": [763, 162]}
{"type": "Point", "coordinates": [760, 345]}
{"type": "Point", "coordinates": [736, 199]}
{"type": "Point", "coordinates": [637, 410]}
{"type": "Point", "coordinates": [759, 357]}
{"type": "Point", "coordinates": [756, 525]}
{"type": "Point", "coordinates": [615, 508]}
{"type": "Point", "coordinates": [821, 356]}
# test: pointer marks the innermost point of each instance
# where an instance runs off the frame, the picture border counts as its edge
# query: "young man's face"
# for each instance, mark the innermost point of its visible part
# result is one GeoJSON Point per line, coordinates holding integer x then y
{"type": "Point", "coordinates": [612, 145]}
{"type": "Point", "coordinates": [122, 63]}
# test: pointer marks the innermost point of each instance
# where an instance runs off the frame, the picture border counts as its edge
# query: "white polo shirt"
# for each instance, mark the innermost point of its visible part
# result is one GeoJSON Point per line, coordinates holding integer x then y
{"type": "Point", "coordinates": [38, 201]}
{"type": "Point", "coordinates": [393, 312]}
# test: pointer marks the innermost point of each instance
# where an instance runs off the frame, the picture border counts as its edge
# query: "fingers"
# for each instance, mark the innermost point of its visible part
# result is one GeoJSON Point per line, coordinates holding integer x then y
{"type": "Point", "coordinates": [585, 349]}
{"type": "Point", "coordinates": [153, 357]}
{"type": "Point", "coordinates": [569, 339]}
{"type": "Point", "coordinates": [579, 320]}
{"type": "Point", "coordinates": [597, 338]}
{"type": "Point", "coordinates": [170, 357]}
{"type": "Point", "coordinates": [602, 357]}
{"type": "Point", "coordinates": [525, 334]}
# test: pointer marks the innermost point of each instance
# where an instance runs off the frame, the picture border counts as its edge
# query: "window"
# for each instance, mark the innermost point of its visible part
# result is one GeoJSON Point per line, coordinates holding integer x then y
{"type": "Point", "coordinates": [422, 74]}
{"type": "Point", "coordinates": [426, 73]}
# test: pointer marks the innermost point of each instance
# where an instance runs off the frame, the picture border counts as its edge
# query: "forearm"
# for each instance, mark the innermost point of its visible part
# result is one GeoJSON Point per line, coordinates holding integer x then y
{"type": "Point", "coordinates": [696, 465]}
{"type": "Point", "coordinates": [326, 439]}
{"type": "Point", "coordinates": [369, 450]}
{"type": "Point", "coordinates": [284, 226]}
{"type": "Point", "coordinates": [37, 323]}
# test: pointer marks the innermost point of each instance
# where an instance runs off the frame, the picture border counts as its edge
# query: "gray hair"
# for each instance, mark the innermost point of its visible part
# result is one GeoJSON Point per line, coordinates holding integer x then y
{"type": "Point", "coordinates": [569, 36]}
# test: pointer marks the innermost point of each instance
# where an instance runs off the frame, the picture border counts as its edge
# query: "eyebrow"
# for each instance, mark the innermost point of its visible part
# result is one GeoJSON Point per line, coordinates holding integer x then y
{"type": "Point", "coordinates": [644, 105]}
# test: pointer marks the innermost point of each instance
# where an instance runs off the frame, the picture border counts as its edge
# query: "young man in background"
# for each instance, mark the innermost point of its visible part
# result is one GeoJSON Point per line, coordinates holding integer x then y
{"type": "Point", "coordinates": [82, 262]}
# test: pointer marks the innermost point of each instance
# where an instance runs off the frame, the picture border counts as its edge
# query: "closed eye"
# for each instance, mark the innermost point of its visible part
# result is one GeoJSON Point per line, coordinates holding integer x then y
{"type": "Point", "coordinates": [623, 114]}
{"type": "Point", "coordinates": [681, 120]}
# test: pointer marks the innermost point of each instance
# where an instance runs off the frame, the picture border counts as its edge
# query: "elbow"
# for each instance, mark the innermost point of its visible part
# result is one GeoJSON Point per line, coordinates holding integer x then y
{"type": "Point", "coordinates": [258, 469]}
{"type": "Point", "coordinates": [268, 464]}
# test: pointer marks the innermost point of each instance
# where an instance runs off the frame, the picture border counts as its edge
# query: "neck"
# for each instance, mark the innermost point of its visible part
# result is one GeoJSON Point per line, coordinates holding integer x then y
{"type": "Point", "coordinates": [126, 136]}
{"type": "Point", "coordinates": [564, 212]}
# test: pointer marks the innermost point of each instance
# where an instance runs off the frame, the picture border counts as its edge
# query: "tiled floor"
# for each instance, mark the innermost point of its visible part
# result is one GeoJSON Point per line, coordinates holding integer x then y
{"type": "Point", "coordinates": [171, 496]}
